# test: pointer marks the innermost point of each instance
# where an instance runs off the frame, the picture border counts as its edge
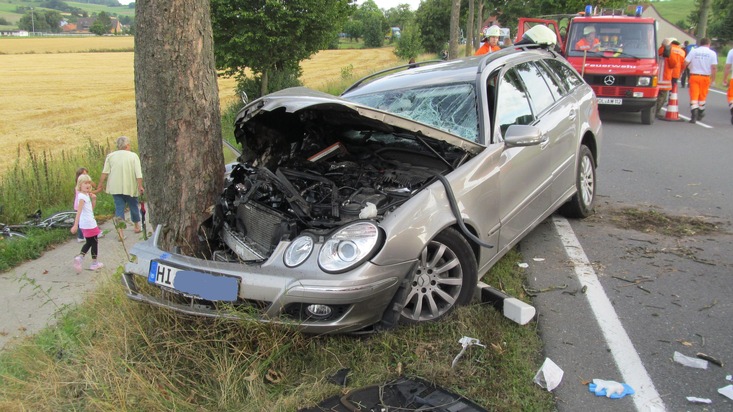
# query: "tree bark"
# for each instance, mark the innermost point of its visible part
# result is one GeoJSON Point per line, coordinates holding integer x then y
{"type": "Point", "coordinates": [702, 23]}
{"type": "Point", "coordinates": [479, 21]}
{"type": "Point", "coordinates": [455, 14]}
{"type": "Point", "coordinates": [470, 32]}
{"type": "Point", "coordinates": [178, 117]}
{"type": "Point", "coordinates": [264, 82]}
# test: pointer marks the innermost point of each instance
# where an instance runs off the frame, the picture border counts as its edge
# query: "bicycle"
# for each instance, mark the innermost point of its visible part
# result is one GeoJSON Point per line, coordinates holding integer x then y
{"type": "Point", "coordinates": [58, 220]}
{"type": "Point", "coordinates": [8, 232]}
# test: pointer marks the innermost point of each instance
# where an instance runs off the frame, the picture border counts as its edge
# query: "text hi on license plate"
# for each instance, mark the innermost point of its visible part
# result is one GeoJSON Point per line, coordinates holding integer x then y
{"type": "Point", "coordinates": [197, 284]}
{"type": "Point", "coordinates": [608, 100]}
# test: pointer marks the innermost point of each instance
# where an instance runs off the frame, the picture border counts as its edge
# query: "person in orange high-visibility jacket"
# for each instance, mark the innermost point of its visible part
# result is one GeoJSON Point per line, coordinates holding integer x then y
{"type": "Point", "coordinates": [674, 59]}
{"type": "Point", "coordinates": [589, 41]}
{"type": "Point", "coordinates": [490, 39]}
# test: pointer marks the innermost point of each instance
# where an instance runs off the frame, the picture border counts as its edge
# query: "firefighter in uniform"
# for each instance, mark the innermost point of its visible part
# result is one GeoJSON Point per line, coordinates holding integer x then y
{"type": "Point", "coordinates": [703, 65]}
{"type": "Point", "coordinates": [490, 39]}
{"type": "Point", "coordinates": [674, 59]}
{"type": "Point", "coordinates": [589, 40]}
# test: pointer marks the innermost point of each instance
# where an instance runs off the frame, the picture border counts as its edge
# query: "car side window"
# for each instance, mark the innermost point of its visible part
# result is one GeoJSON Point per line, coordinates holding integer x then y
{"type": "Point", "coordinates": [556, 88]}
{"type": "Point", "coordinates": [568, 76]}
{"type": "Point", "coordinates": [539, 93]}
{"type": "Point", "coordinates": [512, 102]}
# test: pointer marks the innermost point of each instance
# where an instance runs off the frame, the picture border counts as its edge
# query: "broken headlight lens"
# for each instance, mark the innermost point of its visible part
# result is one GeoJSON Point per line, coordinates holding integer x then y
{"type": "Point", "coordinates": [349, 246]}
{"type": "Point", "coordinates": [298, 251]}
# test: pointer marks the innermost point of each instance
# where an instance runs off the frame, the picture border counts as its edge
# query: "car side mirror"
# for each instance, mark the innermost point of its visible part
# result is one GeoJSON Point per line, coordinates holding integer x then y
{"type": "Point", "coordinates": [518, 135]}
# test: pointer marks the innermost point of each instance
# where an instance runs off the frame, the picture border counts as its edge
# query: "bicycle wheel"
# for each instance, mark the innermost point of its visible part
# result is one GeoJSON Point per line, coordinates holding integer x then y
{"type": "Point", "coordinates": [58, 220]}
{"type": "Point", "coordinates": [7, 234]}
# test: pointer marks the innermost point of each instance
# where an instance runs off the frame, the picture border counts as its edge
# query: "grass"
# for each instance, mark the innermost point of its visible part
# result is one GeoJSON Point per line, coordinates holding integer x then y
{"type": "Point", "coordinates": [113, 354]}
{"type": "Point", "coordinates": [674, 11]}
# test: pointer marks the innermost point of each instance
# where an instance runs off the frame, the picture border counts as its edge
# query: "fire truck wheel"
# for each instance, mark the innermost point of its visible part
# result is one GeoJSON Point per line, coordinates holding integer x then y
{"type": "Point", "coordinates": [647, 115]}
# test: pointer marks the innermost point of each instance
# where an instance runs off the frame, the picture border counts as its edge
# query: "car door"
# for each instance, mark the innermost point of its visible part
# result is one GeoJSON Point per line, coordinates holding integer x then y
{"type": "Point", "coordinates": [525, 171]}
{"type": "Point", "coordinates": [574, 91]}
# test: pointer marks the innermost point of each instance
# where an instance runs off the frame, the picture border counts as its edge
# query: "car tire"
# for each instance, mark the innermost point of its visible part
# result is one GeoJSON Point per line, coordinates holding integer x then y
{"type": "Point", "coordinates": [445, 277]}
{"type": "Point", "coordinates": [648, 115]}
{"type": "Point", "coordinates": [581, 204]}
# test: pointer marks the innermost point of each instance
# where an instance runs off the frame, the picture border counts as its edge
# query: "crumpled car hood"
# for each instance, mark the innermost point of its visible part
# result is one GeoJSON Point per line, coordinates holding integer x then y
{"type": "Point", "coordinates": [339, 111]}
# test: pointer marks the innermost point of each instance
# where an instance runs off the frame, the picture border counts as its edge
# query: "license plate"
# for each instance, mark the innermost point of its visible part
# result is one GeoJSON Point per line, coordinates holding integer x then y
{"type": "Point", "coordinates": [606, 100]}
{"type": "Point", "coordinates": [197, 284]}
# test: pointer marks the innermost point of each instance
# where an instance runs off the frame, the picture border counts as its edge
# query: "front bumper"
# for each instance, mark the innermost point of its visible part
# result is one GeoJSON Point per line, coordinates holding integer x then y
{"type": "Point", "coordinates": [628, 104]}
{"type": "Point", "coordinates": [271, 292]}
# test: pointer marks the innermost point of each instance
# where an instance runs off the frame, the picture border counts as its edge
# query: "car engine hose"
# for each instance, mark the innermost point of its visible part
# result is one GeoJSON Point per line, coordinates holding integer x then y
{"type": "Point", "coordinates": [457, 213]}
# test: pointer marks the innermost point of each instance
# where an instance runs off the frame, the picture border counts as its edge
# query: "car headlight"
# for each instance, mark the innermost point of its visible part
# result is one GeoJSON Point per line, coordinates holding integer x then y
{"type": "Point", "coordinates": [298, 251]}
{"type": "Point", "coordinates": [349, 246]}
{"type": "Point", "coordinates": [644, 81]}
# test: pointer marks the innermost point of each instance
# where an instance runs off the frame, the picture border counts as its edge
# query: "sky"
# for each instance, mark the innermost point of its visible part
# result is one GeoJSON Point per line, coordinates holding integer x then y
{"type": "Point", "coordinates": [383, 4]}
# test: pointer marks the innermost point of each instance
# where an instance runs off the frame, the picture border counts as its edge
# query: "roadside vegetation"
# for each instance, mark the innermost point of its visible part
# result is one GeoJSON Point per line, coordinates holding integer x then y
{"type": "Point", "coordinates": [113, 354]}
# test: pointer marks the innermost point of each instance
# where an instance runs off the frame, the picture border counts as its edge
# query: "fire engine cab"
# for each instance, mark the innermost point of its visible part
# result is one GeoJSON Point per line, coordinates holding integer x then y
{"type": "Point", "coordinates": [614, 52]}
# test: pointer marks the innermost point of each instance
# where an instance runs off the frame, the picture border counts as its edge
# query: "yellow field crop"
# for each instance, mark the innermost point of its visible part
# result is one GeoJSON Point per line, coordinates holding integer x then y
{"type": "Point", "coordinates": [42, 45]}
{"type": "Point", "coordinates": [59, 101]}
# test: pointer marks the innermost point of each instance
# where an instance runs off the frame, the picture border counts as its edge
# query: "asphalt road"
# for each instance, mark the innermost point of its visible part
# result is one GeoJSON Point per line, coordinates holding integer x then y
{"type": "Point", "coordinates": [668, 294]}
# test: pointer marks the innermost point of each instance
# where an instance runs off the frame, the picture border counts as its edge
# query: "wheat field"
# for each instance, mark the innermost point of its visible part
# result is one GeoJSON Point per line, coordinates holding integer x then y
{"type": "Point", "coordinates": [57, 96]}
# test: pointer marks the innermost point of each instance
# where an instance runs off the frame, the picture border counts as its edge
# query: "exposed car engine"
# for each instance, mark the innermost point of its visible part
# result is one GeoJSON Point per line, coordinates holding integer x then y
{"type": "Point", "coordinates": [328, 178]}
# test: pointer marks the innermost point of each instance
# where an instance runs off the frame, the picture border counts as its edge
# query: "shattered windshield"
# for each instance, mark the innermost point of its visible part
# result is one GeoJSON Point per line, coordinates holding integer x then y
{"type": "Point", "coordinates": [451, 108]}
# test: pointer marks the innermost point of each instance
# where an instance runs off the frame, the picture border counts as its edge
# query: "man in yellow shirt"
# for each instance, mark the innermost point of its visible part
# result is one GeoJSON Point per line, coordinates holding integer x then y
{"type": "Point", "coordinates": [125, 181]}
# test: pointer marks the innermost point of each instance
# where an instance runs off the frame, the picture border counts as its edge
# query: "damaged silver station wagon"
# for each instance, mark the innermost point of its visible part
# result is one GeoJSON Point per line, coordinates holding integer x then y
{"type": "Point", "coordinates": [355, 213]}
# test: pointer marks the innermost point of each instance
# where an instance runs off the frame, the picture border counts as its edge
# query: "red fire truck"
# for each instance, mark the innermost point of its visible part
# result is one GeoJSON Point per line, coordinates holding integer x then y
{"type": "Point", "coordinates": [614, 52]}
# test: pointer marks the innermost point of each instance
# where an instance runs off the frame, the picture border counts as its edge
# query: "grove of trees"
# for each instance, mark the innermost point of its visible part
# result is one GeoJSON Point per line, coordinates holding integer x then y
{"type": "Point", "coordinates": [40, 20]}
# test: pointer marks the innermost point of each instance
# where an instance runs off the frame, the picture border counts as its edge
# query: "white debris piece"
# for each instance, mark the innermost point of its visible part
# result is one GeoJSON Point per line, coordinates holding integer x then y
{"type": "Point", "coordinates": [689, 361]}
{"type": "Point", "coordinates": [698, 400]}
{"type": "Point", "coordinates": [726, 391]}
{"type": "Point", "coordinates": [549, 376]}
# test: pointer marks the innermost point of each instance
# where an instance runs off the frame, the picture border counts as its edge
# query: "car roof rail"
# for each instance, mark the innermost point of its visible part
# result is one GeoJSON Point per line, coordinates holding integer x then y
{"type": "Point", "coordinates": [391, 69]}
{"type": "Point", "coordinates": [515, 48]}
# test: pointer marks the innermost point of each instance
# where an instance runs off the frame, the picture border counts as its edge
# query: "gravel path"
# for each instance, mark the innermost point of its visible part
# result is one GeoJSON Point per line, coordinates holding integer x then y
{"type": "Point", "coordinates": [33, 294]}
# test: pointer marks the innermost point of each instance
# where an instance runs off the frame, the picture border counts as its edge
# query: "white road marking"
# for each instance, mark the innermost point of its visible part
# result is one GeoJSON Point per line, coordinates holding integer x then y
{"type": "Point", "coordinates": [698, 123]}
{"type": "Point", "coordinates": [624, 354]}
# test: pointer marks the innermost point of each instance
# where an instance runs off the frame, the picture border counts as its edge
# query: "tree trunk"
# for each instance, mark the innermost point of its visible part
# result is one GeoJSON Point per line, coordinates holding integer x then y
{"type": "Point", "coordinates": [470, 32]}
{"type": "Point", "coordinates": [264, 80]}
{"type": "Point", "coordinates": [178, 117]}
{"type": "Point", "coordinates": [479, 21]}
{"type": "Point", "coordinates": [702, 23]}
{"type": "Point", "coordinates": [455, 14]}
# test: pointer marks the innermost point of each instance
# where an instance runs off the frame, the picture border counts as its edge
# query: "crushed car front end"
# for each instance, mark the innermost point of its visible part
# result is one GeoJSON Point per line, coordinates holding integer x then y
{"type": "Point", "coordinates": [293, 236]}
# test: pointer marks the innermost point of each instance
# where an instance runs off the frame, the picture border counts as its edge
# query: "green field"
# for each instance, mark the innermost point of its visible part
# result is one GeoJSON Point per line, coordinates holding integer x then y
{"type": "Point", "coordinates": [8, 10]}
{"type": "Point", "coordinates": [674, 11]}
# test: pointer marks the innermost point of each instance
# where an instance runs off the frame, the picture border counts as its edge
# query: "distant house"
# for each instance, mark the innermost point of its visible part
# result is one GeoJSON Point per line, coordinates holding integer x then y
{"type": "Point", "coordinates": [68, 28]}
{"type": "Point", "coordinates": [84, 23]}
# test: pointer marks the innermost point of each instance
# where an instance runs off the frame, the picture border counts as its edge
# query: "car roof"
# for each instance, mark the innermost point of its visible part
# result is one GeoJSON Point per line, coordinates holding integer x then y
{"type": "Point", "coordinates": [462, 70]}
